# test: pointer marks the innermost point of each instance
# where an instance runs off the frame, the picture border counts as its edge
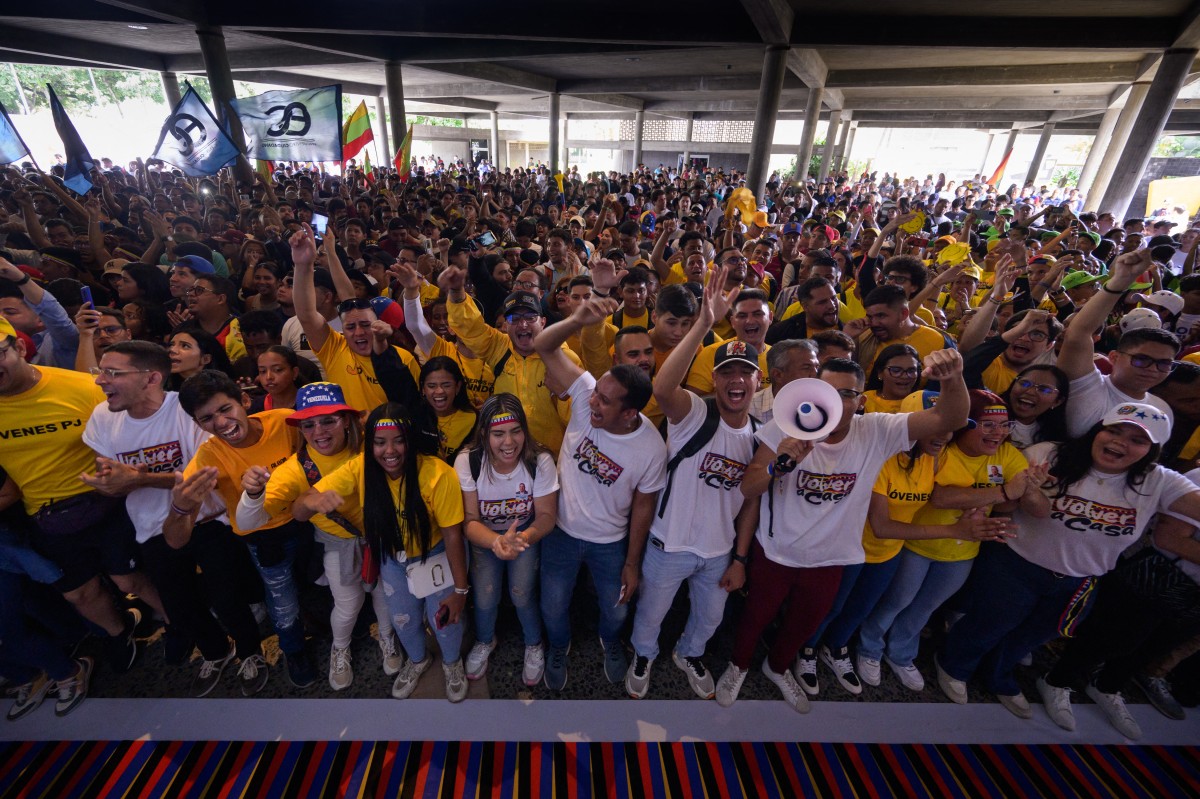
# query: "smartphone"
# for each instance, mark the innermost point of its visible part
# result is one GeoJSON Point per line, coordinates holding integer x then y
{"type": "Point", "coordinates": [320, 222]}
{"type": "Point", "coordinates": [486, 239]}
{"type": "Point", "coordinates": [86, 293]}
{"type": "Point", "coordinates": [443, 617]}
{"type": "Point", "coordinates": [244, 198]}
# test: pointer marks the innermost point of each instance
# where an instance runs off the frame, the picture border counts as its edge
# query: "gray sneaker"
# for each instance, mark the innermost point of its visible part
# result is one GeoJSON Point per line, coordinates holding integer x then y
{"type": "Point", "coordinates": [74, 690]}
{"type": "Point", "coordinates": [456, 681]}
{"type": "Point", "coordinates": [409, 676]}
{"type": "Point", "coordinates": [616, 663]}
{"type": "Point", "coordinates": [341, 673]}
{"type": "Point", "coordinates": [698, 676]}
{"type": "Point", "coordinates": [30, 696]}
{"type": "Point", "coordinates": [1158, 691]}
{"type": "Point", "coordinates": [477, 659]}
{"type": "Point", "coordinates": [637, 679]}
{"type": "Point", "coordinates": [955, 690]}
{"type": "Point", "coordinates": [210, 673]}
{"type": "Point", "coordinates": [393, 658]}
{"type": "Point", "coordinates": [253, 674]}
{"type": "Point", "coordinates": [1116, 712]}
{"type": "Point", "coordinates": [730, 685]}
{"type": "Point", "coordinates": [793, 694]}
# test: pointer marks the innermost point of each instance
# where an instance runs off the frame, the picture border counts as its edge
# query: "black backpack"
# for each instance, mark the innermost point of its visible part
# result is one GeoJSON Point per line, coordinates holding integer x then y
{"type": "Point", "coordinates": [708, 429]}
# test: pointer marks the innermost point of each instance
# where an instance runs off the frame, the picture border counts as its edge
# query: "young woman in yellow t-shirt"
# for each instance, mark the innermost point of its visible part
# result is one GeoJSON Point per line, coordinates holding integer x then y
{"type": "Point", "coordinates": [445, 392]}
{"type": "Point", "coordinates": [892, 378]}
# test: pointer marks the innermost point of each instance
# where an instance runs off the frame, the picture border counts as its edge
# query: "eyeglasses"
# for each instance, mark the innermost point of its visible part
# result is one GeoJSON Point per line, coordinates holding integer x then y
{"type": "Point", "coordinates": [735, 259]}
{"type": "Point", "coordinates": [900, 371]}
{"type": "Point", "coordinates": [1166, 365]}
{"type": "Point", "coordinates": [848, 393]}
{"type": "Point", "coordinates": [321, 421]}
{"type": "Point", "coordinates": [355, 304]}
{"type": "Point", "coordinates": [526, 285]}
{"type": "Point", "coordinates": [522, 319]}
{"type": "Point", "coordinates": [992, 427]}
{"type": "Point", "coordinates": [111, 330]}
{"type": "Point", "coordinates": [1038, 335]}
{"type": "Point", "coordinates": [1041, 389]}
{"type": "Point", "coordinates": [113, 374]}
{"type": "Point", "coordinates": [195, 291]}
{"type": "Point", "coordinates": [897, 278]}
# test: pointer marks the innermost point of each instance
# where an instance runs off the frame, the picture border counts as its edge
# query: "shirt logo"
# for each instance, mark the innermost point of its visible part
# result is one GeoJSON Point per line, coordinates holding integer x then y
{"type": "Point", "coordinates": [502, 512]}
{"type": "Point", "coordinates": [594, 462]}
{"type": "Point", "coordinates": [158, 459]}
{"type": "Point", "coordinates": [819, 488]}
{"type": "Point", "coordinates": [1083, 515]}
{"type": "Point", "coordinates": [717, 471]}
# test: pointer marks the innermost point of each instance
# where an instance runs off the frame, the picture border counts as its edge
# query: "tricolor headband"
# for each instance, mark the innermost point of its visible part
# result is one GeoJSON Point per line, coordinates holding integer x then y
{"type": "Point", "coordinates": [503, 418]}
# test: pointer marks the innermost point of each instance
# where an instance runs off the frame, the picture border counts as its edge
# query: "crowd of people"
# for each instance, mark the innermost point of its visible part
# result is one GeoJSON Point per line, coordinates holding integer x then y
{"type": "Point", "coordinates": [448, 392]}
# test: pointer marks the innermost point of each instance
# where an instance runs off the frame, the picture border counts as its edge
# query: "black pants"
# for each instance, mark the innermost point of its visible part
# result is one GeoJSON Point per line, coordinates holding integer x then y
{"type": "Point", "coordinates": [1126, 630]}
{"type": "Point", "coordinates": [187, 596]}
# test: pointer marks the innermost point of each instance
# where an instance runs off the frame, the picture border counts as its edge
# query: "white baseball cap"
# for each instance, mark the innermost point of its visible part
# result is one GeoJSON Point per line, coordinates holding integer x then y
{"type": "Point", "coordinates": [1140, 318]}
{"type": "Point", "coordinates": [1165, 299]}
{"type": "Point", "coordinates": [1151, 419]}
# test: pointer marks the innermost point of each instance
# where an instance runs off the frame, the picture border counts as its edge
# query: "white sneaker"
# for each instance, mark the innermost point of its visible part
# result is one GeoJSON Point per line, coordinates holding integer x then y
{"type": "Point", "coordinates": [1058, 704]}
{"type": "Point", "coordinates": [910, 676]}
{"type": "Point", "coordinates": [805, 671]}
{"type": "Point", "coordinates": [868, 670]}
{"type": "Point", "coordinates": [955, 690]}
{"type": "Point", "coordinates": [406, 681]}
{"type": "Point", "coordinates": [637, 678]}
{"type": "Point", "coordinates": [729, 685]}
{"type": "Point", "coordinates": [393, 658]}
{"type": "Point", "coordinates": [843, 669]}
{"type": "Point", "coordinates": [1016, 704]}
{"type": "Point", "coordinates": [1114, 709]}
{"type": "Point", "coordinates": [456, 681]}
{"type": "Point", "coordinates": [340, 673]}
{"type": "Point", "coordinates": [793, 694]}
{"type": "Point", "coordinates": [477, 659]}
{"type": "Point", "coordinates": [535, 665]}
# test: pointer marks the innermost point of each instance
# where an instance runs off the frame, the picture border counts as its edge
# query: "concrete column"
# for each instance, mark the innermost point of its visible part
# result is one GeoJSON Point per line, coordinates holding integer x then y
{"type": "Point", "coordinates": [1160, 99]}
{"type": "Point", "coordinates": [849, 145]}
{"type": "Point", "coordinates": [494, 141]}
{"type": "Point", "coordinates": [687, 140]}
{"type": "Point", "coordinates": [770, 87]}
{"type": "Point", "coordinates": [1120, 135]}
{"type": "Point", "coordinates": [1091, 164]}
{"type": "Point", "coordinates": [170, 86]}
{"type": "Point", "coordinates": [639, 121]}
{"type": "Point", "coordinates": [835, 121]}
{"type": "Point", "coordinates": [566, 144]}
{"type": "Point", "coordinates": [840, 149]}
{"type": "Point", "coordinates": [1039, 152]}
{"type": "Point", "coordinates": [553, 121]}
{"type": "Point", "coordinates": [397, 119]}
{"type": "Point", "coordinates": [220, 80]}
{"type": "Point", "coordinates": [379, 125]}
{"type": "Point", "coordinates": [812, 115]}
{"type": "Point", "coordinates": [987, 151]}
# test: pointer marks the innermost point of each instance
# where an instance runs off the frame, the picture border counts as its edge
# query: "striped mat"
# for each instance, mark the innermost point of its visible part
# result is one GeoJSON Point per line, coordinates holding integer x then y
{"type": "Point", "coordinates": [535, 770]}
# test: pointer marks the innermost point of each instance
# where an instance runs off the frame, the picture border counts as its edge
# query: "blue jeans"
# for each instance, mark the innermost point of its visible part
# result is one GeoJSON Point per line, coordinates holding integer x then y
{"type": "Point", "coordinates": [410, 613]}
{"type": "Point", "coordinates": [919, 588]}
{"type": "Point", "coordinates": [872, 581]}
{"type": "Point", "coordinates": [1013, 607]}
{"type": "Point", "coordinates": [562, 555]}
{"type": "Point", "coordinates": [487, 578]}
{"type": "Point", "coordinates": [662, 574]}
{"type": "Point", "coordinates": [282, 593]}
{"type": "Point", "coordinates": [26, 648]}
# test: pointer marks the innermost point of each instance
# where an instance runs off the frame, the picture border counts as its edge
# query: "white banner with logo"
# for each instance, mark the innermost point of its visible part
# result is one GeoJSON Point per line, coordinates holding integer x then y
{"type": "Point", "coordinates": [299, 125]}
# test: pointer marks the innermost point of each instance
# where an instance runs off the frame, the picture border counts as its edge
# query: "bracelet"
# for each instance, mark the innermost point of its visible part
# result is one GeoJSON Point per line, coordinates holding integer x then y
{"type": "Point", "coordinates": [995, 301]}
{"type": "Point", "coordinates": [256, 496]}
{"type": "Point", "coordinates": [606, 294]}
{"type": "Point", "coordinates": [462, 591]}
{"type": "Point", "coordinates": [742, 559]}
{"type": "Point", "coordinates": [1104, 287]}
{"type": "Point", "coordinates": [23, 280]}
{"type": "Point", "coordinates": [180, 511]}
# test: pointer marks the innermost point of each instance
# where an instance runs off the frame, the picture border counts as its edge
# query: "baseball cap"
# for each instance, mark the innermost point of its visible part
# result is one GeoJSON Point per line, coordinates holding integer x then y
{"type": "Point", "coordinates": [114, 266]}
{"type": "Point", "coordinates": [197, 264]}
{"type": "Point", "coordinates": [1151, 419]}
{"type": "Point", "coordinates": [1073, 280]}
{"type": "Point", "coordinates": [1095, 237]}
{"type": "Point", "coordinates": [63, 255]}
{"type": "Point", "coordinates": [529, 257]}
{"type": "Point", "coordinates": [1160, 240]}
{"type": "Point", "coordinates": [973, 272]}
{"type": "Point", "coordinates": [1005, 212]}
{"type": "Point", "coordinates": [579, 219]}
{"type": "Point", "coordinates": [792, 228]}
{"type": "Point", "coordinates": [318, 399]}
{"type": "Point", "coordinates": [1140, 319]}
{"type": "Point", "coordinates": [986, 405]}
{"type": "Point", "coordinates": [388, 311]}
{"type": "Point", "coordinates": [1165, 299]}
{"type": "Point", "coordinates": [522, 301]}
{"type": "Point", "coordinates": [735, 351]}
{"type": "Point", "coordinates": [6, 328]}
{"type": "Point", "coordinates": [918, 401]}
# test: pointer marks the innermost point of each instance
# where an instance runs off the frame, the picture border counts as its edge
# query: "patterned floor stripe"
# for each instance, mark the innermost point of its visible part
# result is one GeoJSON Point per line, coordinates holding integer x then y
{"type": "Point", "coordinates": [569, 770]}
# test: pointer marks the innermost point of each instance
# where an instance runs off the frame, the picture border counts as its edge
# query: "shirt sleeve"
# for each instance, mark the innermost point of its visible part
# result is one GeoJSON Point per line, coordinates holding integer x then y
{"type": "Point", "coordinates": [344, 479]}
{"type": "Point", "coordinates": [1086, 404]}
{"type": "Point", "coordinates": [655, 477]}
{"type": "Point", "coordinates": [462, 467]}
{"type": "Point", "coordinates": [61, 329]}
{"type": "Point", "coordinates": [546, 481]}
{"type": "Point", "coordinates": [466, 321]}
{"type": "Point", "coordinates": [447, 505]}
{"type": "Point", "coordinates": [414, 320]}
{"type": "Point", "coordinates": [580, 392]}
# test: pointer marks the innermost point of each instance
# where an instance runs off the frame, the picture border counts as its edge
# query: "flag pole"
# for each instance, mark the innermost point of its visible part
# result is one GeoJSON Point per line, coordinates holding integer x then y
{"type": "Point", "coordinates": [20, 138]}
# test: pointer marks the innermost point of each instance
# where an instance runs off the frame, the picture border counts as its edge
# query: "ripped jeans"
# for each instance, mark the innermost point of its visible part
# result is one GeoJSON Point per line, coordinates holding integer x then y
{"type": "Point", "coordinates": [274, 554]}
{"type": "Point", "coordinates": [409, 613]}
{"type": "Point", "coordinates": [487, 578]}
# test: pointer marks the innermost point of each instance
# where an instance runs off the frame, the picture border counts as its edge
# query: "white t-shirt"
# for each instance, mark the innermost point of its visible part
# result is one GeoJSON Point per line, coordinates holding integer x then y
{"type": "Point", "coordinates": [1186, 566]}
{"type": "Point", "coordinates": [820, 507]}
{"type": "Point", "coordinates": [600, 471]}
{"type": "Point", "coordinates": [165, 442]}
{"type": "Point", "coordinates": [505, 498]}
{"type": "Point", "coordinates": [1184, 324]}
{"type": "Point", "coordinates": [1094, 395]}
{"type": "Point", "coordinates": [705, 494]}
{"type": "Point", "coordinates": [293, 336]}
{"type": "Point", "coordinates": [1098, 518]}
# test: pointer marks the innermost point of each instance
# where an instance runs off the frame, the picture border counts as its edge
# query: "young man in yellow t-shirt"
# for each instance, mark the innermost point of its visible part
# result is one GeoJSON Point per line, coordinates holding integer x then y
{"type": "Point", "coordinates": [241, 442]}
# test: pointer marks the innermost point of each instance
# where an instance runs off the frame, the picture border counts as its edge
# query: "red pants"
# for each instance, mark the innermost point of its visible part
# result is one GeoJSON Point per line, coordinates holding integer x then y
{"type": "Point", "coordinates": [809, 594]}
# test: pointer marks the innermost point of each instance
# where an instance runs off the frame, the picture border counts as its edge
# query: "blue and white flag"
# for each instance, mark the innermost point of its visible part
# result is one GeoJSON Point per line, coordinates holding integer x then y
{"type": "Point", "coordinates": [78, 168]}
{"type": "Point", "coordinates": [193, 140]}
{"type": "Point", "coordinates": [12, 146]}
{"type": "Point", "coordinates": [287, 125]}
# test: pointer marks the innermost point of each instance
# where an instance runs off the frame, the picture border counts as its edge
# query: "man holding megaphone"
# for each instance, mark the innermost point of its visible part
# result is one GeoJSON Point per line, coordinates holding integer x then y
{"type": "Point", "coordinates": [812, 476]}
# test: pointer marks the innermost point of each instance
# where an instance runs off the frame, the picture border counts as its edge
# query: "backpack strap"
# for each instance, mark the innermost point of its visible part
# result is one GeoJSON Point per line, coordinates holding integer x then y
{"type": "Point", "coordinates": [312, 474]}
{"type": "Point", "coordinates": [708, 429]}
{"type": "Point", "coordinates": [498, 367]}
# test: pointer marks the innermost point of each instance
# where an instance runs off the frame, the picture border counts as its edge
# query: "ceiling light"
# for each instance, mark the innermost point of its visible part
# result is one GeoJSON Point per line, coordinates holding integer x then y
{"type": "Point", "coordinates": [138, 28]}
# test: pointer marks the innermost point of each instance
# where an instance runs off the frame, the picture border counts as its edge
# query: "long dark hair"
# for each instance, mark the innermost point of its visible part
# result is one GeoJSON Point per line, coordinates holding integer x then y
{"type": "Point", "coordinates": [875, 380]}
{"type": "Point", "coordinates": [380, 514]}
{"type": "Point", "coordinates": [1052, 425]}
{"type": "Point", "coordinates": [1073, 458]}
{"type": "Point", "coordinates": [152, 284]}
{"type": "Point", "coordinates": [207, 343]}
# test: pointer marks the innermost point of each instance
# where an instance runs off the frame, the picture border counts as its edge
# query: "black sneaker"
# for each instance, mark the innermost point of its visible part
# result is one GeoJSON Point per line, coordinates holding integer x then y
{"type": "Point", "coordinates": [121, 650]}
{"type": "Point", "coordinates": [252, 674]}
{"type": "Point", "coordinates": [1158, 691]}
{"type": "Point", "coordinates": [74, 690]}
{"type": "Point", "coordinates": [301, 672]}
{"type": "Point", "coordinates": [616, 663]}
{"type": "Point", "coordinates": [555, 674]}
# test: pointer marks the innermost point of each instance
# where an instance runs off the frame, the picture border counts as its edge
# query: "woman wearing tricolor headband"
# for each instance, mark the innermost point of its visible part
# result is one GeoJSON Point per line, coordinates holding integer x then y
{"type": "Point", "coordinates": [510, 496]}
{"type": "Point", "coordinates": [412, 508]}
{"type": "Point", "coordinates": [1100, 494]}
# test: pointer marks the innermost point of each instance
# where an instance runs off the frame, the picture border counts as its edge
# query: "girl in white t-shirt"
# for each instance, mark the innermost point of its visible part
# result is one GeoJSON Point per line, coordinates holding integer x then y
{"type": "Point", "coordinates": [1100, 493]}
{"type": "Point", "coordinates": [1037, 405]}
{"type": "Point", "coordinates": [510, 498]}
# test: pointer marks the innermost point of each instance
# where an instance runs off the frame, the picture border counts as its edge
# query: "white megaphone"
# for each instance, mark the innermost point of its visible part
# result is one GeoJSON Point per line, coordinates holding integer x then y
{"type": "Point", "coordinates": [807, 409]}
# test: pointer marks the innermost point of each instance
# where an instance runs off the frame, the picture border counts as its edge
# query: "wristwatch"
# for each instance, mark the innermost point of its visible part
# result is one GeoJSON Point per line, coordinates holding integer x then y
{"type": "Point", "coordinates": [742, 559]}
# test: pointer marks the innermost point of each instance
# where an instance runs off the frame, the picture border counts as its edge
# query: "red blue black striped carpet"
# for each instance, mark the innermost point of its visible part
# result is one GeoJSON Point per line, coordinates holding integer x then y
{"type": "Point", "coordinates": [567, 770]}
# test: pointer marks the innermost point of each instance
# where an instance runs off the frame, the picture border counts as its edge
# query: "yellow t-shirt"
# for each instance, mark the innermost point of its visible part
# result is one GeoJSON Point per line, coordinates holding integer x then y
{"type": "Point", "coordinates": [700, 375]}
{"type": "Point", "coordinates": [1193, 358]}
{"type": "Point", "coordinates": [877, 404]}
{"type": "Point", "coordinates": [958, 469]}
{"type": "Point", "coordinates": [628, 320]}
{"type": "Point", "coordinates": [844, 314]}
{"type": "Point", "coordinates": [235, 346]}
{"type": "Point", "coordinates": [481, 381]}
{"type": "Point", "coordinates": [355, 373]}
{"type": "Point", "coordinates": [998, 376]}
{"type": "Point", "coordinates": [924, 340]}
{"type": "Point", "coordinates": [41, 436]}
{"type": "Point", "coordinates": [439, 489]}
{"type": "Point", "coordinates": [453, 431]}
{"type": "Point", "coordinates": [907, 491]}
{"type": "Point", "coordinates": [277, 443]}
{"type": "Point", "coordinates": [288, 482]}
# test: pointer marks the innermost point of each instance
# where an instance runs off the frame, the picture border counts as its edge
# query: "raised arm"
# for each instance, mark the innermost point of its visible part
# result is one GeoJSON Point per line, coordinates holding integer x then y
{"type": "Point", "coordinates": [953, 405]}
{"type": "Point", "coordinates": [1075, 358]}
{"type": "Point", "coordinates": [304, 294]}
{"type": "Point", "coordinates": [976, 332]}
{"type": "Point", "coordinates": [561, 371]}
{"type": "Point", "coordinates": [673, 398]}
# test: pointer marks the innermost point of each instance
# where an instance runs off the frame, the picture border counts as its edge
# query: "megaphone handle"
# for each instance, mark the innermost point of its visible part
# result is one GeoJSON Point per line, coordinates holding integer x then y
{"type": "Point", "coordinates": [784, 464]}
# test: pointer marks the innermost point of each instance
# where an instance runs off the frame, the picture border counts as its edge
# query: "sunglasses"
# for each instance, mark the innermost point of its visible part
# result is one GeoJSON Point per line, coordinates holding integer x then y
{"type": "Point", "coordinates": [355, 304]}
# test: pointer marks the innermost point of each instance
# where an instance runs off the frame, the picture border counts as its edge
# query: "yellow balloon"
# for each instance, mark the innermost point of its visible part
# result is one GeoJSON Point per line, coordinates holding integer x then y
{"type": "Point", "coordinates": [741, 200]}
{"type": "Point", "coordinates": [915, 224]}
{"type": "Point", "coordinates": [954, 254]}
